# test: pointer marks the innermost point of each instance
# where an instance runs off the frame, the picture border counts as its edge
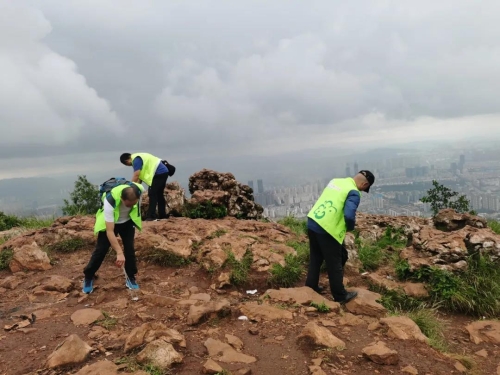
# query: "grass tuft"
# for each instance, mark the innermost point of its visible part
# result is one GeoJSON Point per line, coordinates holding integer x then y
{"type": "Point", "coordinates": [298, 226]}
{"type": "Point", "coordinates": [68, 245]}
{"type": "Point", "coordinates": [164, 258]}
{"type": "Point", "coordinates": [108, 322]}
{"type": "Point", "coordinates": [5, 258]}
{"type": "Point", "coordinates": [494, 225]}
{"type": "Point", "coordinates": [288, 275]}
{"type": "Point", "coordinates": [239, 269]}
{"type": "Point", "coordinates": [431, 326]}
{"type": "Point", "coordinates": [374, 254]}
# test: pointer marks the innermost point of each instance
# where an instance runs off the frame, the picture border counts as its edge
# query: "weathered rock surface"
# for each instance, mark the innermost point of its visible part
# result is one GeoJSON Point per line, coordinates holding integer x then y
{"type": "Point", "coordinates": [199, 312]}
{"type": "Point", "coordinates": [159, 353]}
{"type": "Point", "coordinates": [176, 239]}
{"type": "Point", "coordinates": [72, 351]}
{"type": "Point", "coordinates": [264, 312]}
{"type": "Point", "coordinates": [445, 242]}
{"type": "Point", "coordinates": [226, 353]}
{"type": "Point", "coordinates": [29, 257]}
{"type": "Point", "coordinates": [451, 220]}
{"type": "Point", "coordinates": [366, 303]}
{"type": "Point", "coordinates": [222, 189]}
{"type": "Point", "coordinates": [99, 368]}
{"type": "Point", "coordinates": [302, 296]}
{"type": "Point", "coordinates": [381, 354]}
{"type": "Point", "coordinates": [484, 331]}
{"type": "Point", "coordinates": [320, 336]}
{"type": "Point", "coordinates": [86, 317]}
{"type": "Point", "coordinates": [403, 328]}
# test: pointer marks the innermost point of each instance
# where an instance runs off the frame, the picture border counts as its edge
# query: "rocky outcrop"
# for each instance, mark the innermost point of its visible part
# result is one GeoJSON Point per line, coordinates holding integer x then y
{"type": "Point", "coordinates": [167, 242]}
{"type": "Point", "coordinates": [222, 189]}
{"type": "Point", "coordinates": [446, 241]}
{"type": "Point", "coordinates": [450, 220]}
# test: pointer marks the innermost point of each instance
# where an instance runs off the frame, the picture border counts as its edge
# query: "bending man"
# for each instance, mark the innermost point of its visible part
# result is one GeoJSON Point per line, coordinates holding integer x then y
{"type": "Point", "coordinates": [120, 215]}
{"type": "Point", "coordinates": [149, 169]}
{"type": "Point", "coordinates": [331, 217]}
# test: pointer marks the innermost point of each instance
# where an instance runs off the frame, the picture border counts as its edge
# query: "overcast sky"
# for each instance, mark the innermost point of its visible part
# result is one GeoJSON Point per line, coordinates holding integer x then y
{"type": "Point", "coordinates": [82, 81]}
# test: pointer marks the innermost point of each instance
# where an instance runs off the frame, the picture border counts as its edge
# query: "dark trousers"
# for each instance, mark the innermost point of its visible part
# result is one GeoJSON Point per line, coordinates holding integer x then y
{"type": "Point", "coordinates": [156, 197]}
{"type": "Point", "coordinates": [126, 231]}
{"type": "Point", "coordinates": [324, 247]}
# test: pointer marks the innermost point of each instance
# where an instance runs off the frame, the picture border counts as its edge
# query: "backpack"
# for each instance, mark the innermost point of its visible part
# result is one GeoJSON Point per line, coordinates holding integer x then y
{"type": "Point", "coordinates": [107, 186]}
{"type": "Point", "coordinates": [170, 167]}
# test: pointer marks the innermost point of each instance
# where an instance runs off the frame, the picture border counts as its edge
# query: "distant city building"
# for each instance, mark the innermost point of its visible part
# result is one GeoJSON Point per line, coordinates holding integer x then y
{"type": "Point", "coordinates": [356, 167]}
{"type": "Point", "coordinates": [461, 163]}
{"type": "Point", "coordinates": [260, 187]}
{"type": "Point", "coordinates": [348, 170]}
{"type": "Point", "coordinates": [250, 183]}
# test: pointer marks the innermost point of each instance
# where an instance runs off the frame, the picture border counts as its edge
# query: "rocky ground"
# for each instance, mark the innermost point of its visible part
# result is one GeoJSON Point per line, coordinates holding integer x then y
{"type": "Point", "coordinates": [190, 319]}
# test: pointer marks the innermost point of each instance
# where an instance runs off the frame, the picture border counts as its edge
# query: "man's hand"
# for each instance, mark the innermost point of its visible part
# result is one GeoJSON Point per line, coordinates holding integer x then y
{"type": "Point", "coordinates": [135, 176]}
{"type": "Point", "coordinates": [120, 260]}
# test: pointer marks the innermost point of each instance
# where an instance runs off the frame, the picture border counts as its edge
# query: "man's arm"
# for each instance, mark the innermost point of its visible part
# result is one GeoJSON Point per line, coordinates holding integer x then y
{"type": "Point", "coordinates": [109, 218]}
{"type": "Point", "coordinates": [350, 207]}
{"type": "Point", "coordinates": [137, 164]}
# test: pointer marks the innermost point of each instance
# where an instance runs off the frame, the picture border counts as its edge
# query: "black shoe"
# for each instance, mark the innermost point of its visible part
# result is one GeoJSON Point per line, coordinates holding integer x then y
{"type": "Point", "coordinates": [165, 217]}
{"type": "Point", "coordinates": [319, 290]}
{"type": "Point", "coordinates": [349, 296]}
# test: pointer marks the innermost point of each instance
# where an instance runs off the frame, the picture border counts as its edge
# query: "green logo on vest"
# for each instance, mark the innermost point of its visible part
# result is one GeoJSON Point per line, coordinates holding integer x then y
{"type": "Point", "coordinates": [323, 208]}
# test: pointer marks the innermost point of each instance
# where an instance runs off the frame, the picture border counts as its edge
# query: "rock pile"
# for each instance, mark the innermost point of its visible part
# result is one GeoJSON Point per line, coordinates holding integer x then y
{"type": "Point", "coordinates": [222, 189]}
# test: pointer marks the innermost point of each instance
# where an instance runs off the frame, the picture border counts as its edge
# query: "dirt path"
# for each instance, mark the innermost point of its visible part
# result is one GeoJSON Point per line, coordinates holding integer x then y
{"type": "Point", "coordinates": [273, 343]}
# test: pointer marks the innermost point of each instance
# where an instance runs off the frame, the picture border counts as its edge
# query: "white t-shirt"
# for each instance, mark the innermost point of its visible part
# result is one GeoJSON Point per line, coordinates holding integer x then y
{"type": "Point", "coordinates": [109, 213]}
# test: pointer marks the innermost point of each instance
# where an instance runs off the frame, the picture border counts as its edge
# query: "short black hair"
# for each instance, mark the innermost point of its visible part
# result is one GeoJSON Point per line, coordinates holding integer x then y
{"type": "Point", "coordinates": [124, 157]}
{"type": "Point", "coordinates": [131, 193]}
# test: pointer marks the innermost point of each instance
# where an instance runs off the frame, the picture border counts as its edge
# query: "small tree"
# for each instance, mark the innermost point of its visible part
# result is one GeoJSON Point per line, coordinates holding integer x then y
{"type": "Point", "coordinates": [84, 199]}
{"type": "Point", "coordinates": [441, 197]}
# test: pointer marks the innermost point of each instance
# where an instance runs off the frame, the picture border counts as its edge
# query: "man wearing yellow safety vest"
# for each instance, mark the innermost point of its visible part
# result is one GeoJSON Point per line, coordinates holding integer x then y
{"type": "Point", "coordinates": [119, 215]}
{"type": "Point", "coordinates": [333, 214]}
{"type": "Point", "coordinates": [150, 169]}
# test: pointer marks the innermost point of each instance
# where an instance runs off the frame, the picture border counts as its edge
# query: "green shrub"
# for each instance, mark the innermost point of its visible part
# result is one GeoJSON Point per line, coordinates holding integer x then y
{"type": "Point", "coordinates": [239, 269]}
{"type": "Point", "coordinates": [5, 258]}
{"type": "Point", "coordinates": [288, 275]}
{"type": "Point", "coordinates": [69, 245]}
{"type": "Point", "coordinates": [205, 211]}
{"type": "Point", "coordinates": [475, 291]}
{"type": "Point", "coordinates": [321, 307]}
{"type": "Point", "coordinates": [373, 254]}
{"type": "Point", "coordinates": [431, 326]}
{"type": "Point", "coordinates": [8, 221]}
{"type": "Point", "coordinates": [164, 258]}
{"type": "Point", "coordinates": [494, 225]}
{"type": "Point", "coordinates": [11, 221]}
{"type": "Point", "coordinates": [398, 302]}
{"type": "Point", "coordinates": [302, 249]}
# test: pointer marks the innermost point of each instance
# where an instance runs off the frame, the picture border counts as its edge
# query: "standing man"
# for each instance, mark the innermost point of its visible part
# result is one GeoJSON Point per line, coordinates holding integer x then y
{"type": "Point", "coordinates": [333, 214]}
{"type": "Point", "coordinates": [150, 169]}
{"type": "Point", "coordinates": [120, 215]}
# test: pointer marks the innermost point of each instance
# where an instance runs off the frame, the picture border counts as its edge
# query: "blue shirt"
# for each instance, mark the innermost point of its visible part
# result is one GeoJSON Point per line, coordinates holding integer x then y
{"type": "Point", "coordinates": [350, 207]}
{"type": "Point", "coordinates": [137, 164]}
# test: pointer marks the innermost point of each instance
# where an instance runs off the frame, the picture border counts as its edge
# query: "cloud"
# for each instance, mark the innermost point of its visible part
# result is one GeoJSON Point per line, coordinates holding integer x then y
{"type": "Point", "coordinates": [188, 79]}
{"type": "Point", "coordinates": [44, 101]}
